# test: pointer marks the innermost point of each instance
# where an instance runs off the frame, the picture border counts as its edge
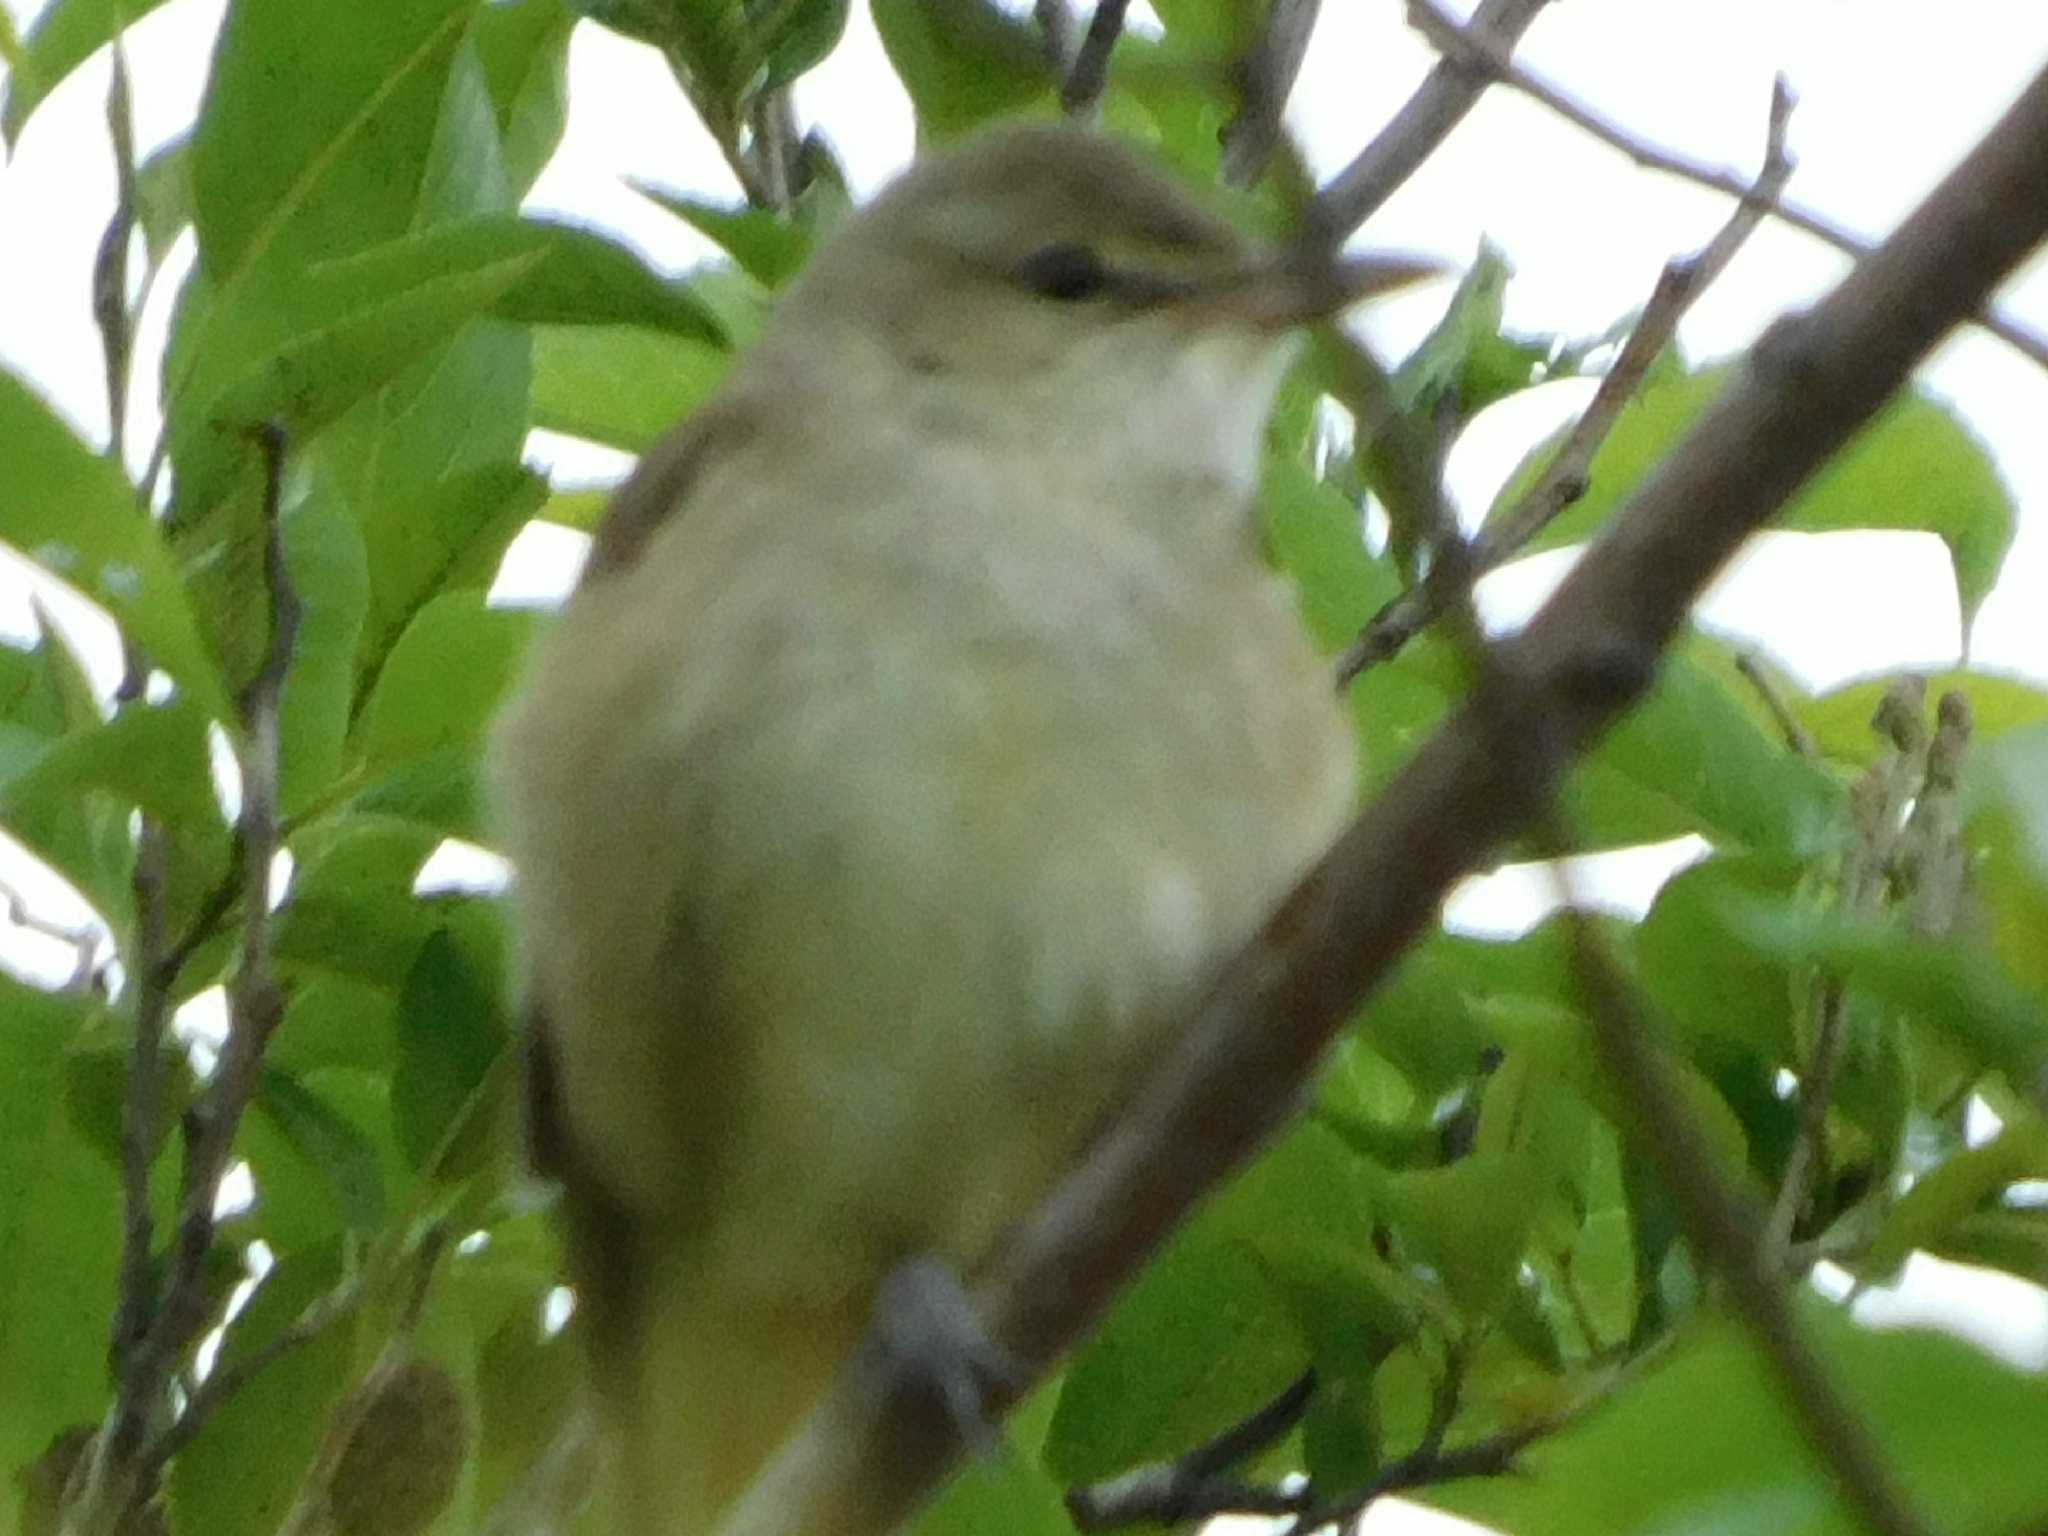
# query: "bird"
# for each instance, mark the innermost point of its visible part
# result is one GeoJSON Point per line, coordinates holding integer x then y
{"type": "Point", "coordinates": [925, 730]}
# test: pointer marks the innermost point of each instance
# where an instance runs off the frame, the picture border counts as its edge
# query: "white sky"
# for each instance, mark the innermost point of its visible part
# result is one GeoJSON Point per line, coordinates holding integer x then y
{"type": "Point", "coordinates": [1890, 92]}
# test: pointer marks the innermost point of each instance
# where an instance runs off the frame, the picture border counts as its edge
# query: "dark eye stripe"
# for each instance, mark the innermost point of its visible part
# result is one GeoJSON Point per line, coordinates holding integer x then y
{"type": "Point", "coordinates": [1068, 272]}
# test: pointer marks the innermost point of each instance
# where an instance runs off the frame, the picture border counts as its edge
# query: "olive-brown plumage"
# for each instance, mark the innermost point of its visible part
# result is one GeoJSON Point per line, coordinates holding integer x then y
{"type": "Point", "coordinates": [925, 731]}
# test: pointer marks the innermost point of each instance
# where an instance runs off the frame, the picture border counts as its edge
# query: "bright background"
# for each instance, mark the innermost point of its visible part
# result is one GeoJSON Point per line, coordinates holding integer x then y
{"type": "Point", "coordinates": [1891, 92]}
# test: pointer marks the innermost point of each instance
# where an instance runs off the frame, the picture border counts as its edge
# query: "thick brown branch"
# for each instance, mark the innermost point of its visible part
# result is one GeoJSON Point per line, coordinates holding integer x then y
{"type": "Point", "coordinates": [874, 1446]}
{"type": "Point", "coordinates": [1413, 134]}
{"type": "Point", "coordinates": [1490, 55]}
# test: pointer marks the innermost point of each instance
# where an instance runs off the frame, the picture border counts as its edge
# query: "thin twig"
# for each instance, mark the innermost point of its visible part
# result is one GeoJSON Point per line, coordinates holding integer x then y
{"type": "Point", "coordinates": [1195, 1486]}
{"type": "Point", "coordinates": [83, 942]}
{"type": "Point", "coordinates": [1266, 80]}
{"type": "Point", "coordinates": [229, 1379]}
{"type": "Point", "coordinates": [1797, 736]}
{"type": "Point", "coordinates": [1425, 1468]}
{"type": "Point", "coordinates": [1480, 51]}
{"type": "Point", "coordinates": [874, 1444]}
{"type": "Point", "coordinates": [255, 1004]}
{"type": "Point", "coordinates": [142, 1114]}
{"type": "Point", "coordinates": [1564, 479]}
{"type": "Point", "coordinates": [1722, 1224]}
{"type": "Point", "coordinates": [1413, 133]}
{"type": "Point", "coordinates": [1082, 92]}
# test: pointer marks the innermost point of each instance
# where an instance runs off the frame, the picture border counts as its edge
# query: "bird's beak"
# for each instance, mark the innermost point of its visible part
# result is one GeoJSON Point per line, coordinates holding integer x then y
{"type": "Point", "coordinates": [1310, 282]}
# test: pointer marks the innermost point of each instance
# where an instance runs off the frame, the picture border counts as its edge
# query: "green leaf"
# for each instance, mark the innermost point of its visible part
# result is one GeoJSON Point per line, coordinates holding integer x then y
{"type": "Point", "coordinates": [527, 1383]}
{"type": "Point", "coordinates": [1708, 981]}
{"type": "Point", "coordinates": [524, 48]}
{"type": "Point", "coordinates": [1958, 1188]}
{"type": "Point", "coordinates": [447, 535]}
{"type": "Point", "coordinates": [153, 756]}
{"type": "Point", "coordinates": [619, 386]}
{"type": "Point", "coordinates": [238, 1477]}
{"type": "Point", "coordinates": [582, 278]}
{"type": "Point", "coordinates": [74, 514]}
{"type": "Point", "coordinates": [163, 196]}
{"type": "Point", "coordinates": [1466, 358]}
{"type": "Point", "coordinates": [1948, 986]}
{"type": "Point", "coordinates": [63, 36]}
{"type": "Point", "coordinates": [2014, 1241]}
{"type": "Point", "coordinates": [444, 680]}
{"type": "Point", "coordinates": [796, 35]}
{"type": "Point", "coordinates": [302, 350]}
{"type": "Point", "coordinates": [1470, 1221]}
{"type": "Point", "coordinates": [328, 1144]}
{"type": "Point", "coordinates": [336, 1021]}
{"type": "Point", "coordinates": [1705, 1442]}
{"type": "Point", "coordinates": [963, 61]}
{"type": "Point", "coordinates": [60, 1227]}
{"type": "Point", "coordinates": [1316, 535]}
{"type": "Point", "coordinates": [1221, 28]}
{"type": "Point", "coordinates": [1698, 747]}
{"type": "Point", "coordinates": [450, 1035]}
{"type": "Point", "coordinates": [317, 128]}
{"type": "Point", "coordinates": [1441, 1012]}
{"type": "Point", "coordinates": [350, 909]}
{"type": "Point", "coordinates": [2006, 836]}
{"type": "Point", "coordinates": [328, 572]}
{"type": "Point", "coordinates": [1916, 467]}
{"type": "Point", "coordinates": [1004, 1491]}
{"type": "Point", "coordinates": [767, 247]}
{"type": "Point", "coordinates": [1198, 1342]}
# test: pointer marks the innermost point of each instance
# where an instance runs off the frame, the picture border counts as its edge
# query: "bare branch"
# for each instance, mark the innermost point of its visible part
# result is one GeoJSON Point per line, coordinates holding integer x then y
{"type": "Point", "coordinates": [875, 1445]}
{"type": "Point", "coordinates": [1413, 134]}
{"type": "Point", "coordinates": [1564, 480]}
{"type": "Point", "coordinates": [255, 1003]}
{"type": "Point", "coordinates": [1085, 81]}
{"type": "Point", "coordinates": [1426, 1467]}
{"type": "Point", "coordinates": [1483, 52]}
{"type": "Point", "coordinates": [1266, 79]}
{"type": "Point", "coordinates": [142, 1113]}
{"type": "Point", "coordinates": [1194, 1486]}
{"type": "Point", "coordinates": [228, 1379]}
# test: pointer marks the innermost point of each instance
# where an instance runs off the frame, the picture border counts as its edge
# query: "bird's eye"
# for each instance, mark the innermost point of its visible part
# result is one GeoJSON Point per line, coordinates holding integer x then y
{"type": "Point", "coordinates": [1067, 272]}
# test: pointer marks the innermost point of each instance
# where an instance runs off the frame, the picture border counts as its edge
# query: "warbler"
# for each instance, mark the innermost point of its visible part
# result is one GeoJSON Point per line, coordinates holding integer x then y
{"type": "Point", "coordinates": [926, 730]}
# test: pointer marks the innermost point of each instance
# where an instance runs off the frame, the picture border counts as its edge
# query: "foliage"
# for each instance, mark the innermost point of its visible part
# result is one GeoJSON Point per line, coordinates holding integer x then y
{"type": "Point", "coordinates": [1456, 1238]}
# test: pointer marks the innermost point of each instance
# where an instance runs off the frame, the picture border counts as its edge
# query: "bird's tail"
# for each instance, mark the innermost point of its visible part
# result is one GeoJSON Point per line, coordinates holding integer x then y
{"type": "Point", "coordinates": [703, 1389]}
